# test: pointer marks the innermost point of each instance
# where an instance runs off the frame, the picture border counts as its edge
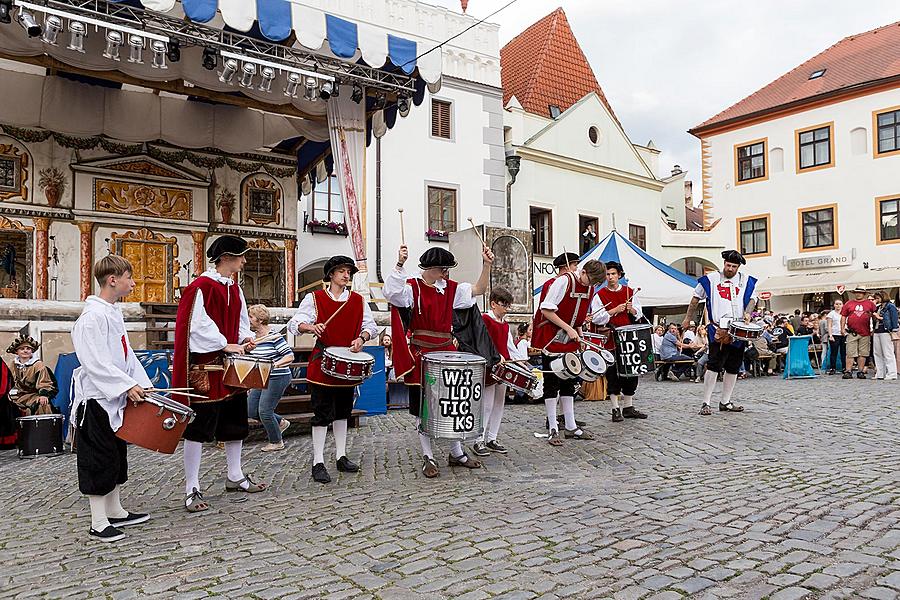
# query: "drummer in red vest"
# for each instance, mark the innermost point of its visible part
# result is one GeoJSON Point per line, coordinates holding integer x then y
{"type": "Point", "coordinates": [339, 317]}
{"type": "Point", "coordinates": [212, 321]}
{"type": "Point", "coordinates": [430, 300]}
{"type": "Point", "coordinates": [621, 308]}
{"type": "Point", "coordinates": [557, 327]}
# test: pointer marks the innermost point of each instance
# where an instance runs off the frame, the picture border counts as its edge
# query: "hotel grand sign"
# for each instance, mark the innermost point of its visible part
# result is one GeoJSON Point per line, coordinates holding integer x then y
{"type": "Point", "coordinates": [822, 261]}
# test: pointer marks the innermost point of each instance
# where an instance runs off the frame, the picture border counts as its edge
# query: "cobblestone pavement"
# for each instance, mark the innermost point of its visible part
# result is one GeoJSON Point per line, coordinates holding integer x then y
{"type": "Point", "coordinates": [798, 497]}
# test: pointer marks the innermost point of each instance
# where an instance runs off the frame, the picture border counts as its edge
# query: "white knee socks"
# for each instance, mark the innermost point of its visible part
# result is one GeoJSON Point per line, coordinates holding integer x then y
{"type": "Point", "coordinates": [99, 518]}
{"type": "Point", "coordinates": [496, 414]}
{"type": "Point", "coordinates": [114, 505]}
{"type": "Point", "coordinates": [487, 407]}
{"type": "Point", "coordinates": [568, 408]}
{"type": "Point", "coordinates": [550, 405]}
{"type": "Point", "coordinates": [425, 441]}
{"type": "Point", "coordinates": [192, 451]}
{"type": "Point", "coordinates": [233, 459]}
{"type": "Point", "coordinates": [456, 449]}
{"type": "Point", "coordinates": [318, 442]}
{"type": "Point", "coordinates": [615, 400]}
{"type": "Point", "coordinates": [340, 438]}
{"type": "Point", "coordinates": [728, 382]}
{"type": "Point", "coordinates": [709, 384]}
{"type": "Point", "coordinates": [627, 401]}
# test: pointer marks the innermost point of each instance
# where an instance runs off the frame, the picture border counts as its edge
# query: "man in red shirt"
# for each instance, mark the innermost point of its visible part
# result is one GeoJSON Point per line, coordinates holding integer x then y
{"type": "Point", "coordinates": [856, 324]}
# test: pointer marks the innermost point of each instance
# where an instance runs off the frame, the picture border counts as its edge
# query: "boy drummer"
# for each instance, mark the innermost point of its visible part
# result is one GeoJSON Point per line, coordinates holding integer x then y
{"type": "Point", "coordinates": [109, 377]}
{"type": "Point", "coordinates": [431, 299]}
{"type": "Point", "coordinates": [557, 326]}
{"type": "Point", "coordinates": [339, 317]}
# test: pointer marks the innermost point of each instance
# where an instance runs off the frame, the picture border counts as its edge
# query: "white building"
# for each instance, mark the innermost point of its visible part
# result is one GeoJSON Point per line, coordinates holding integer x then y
{"type": "Point", "coordinates": [805, 173]}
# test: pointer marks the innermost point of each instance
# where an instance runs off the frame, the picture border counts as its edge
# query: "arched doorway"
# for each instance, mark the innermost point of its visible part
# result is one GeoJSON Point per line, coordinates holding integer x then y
{"type": "Point", "coordinates": [310, 278]}
{"type": "Point", "coordinates": [694, 266]}
{"type": "Point", "coordinates": [16, 258]}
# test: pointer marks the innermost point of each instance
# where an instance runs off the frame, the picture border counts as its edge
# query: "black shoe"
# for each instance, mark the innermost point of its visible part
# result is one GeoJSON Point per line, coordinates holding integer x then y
{"type": "Point", "coordinates": [847, 375]}
{"type": "Point", "coordinates": [480, 449]}
{"type": "Point", "coordinates": [320, 473]}
{"type": "Point", "coordinates": [130, 519]}
{"type": "Point", "coordinates": [110, 534]}
{"type": "Point", "coordinates": [344, 465]}
{"type": "Point", "coordinates": [630, 412]}
{"type": "Point", "coordinates": [495, 446]}
{"type": "Point", "coordinates": [830, 371]}
{"type": "Point", "coordinates": [861, 375]}
{"type": "Point", "coordinates": [617, 415]}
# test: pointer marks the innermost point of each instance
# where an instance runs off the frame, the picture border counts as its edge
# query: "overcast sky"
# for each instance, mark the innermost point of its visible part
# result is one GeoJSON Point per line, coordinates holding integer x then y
{"type": "Point", "coordinates": [668, 65]}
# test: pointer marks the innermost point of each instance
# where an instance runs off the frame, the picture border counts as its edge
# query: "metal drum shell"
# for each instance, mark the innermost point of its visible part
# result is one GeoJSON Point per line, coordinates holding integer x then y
{"type": "Point", "coordinates": [39, 435]}
{"type": "Point", "coordinates": [156, 424]}
{"type": "Point", "coordinates": [342, 363]}
{"type": "Point", "coordinates": [740, 330]}
{"type": "Point", "coordinates": [515, 376]}
{"type": "Point", "coordinates": [643, 333]}
{"type": "Point", "coordinates": [432, 422]}
{"type": "Point", "coordinates": [567, 366]}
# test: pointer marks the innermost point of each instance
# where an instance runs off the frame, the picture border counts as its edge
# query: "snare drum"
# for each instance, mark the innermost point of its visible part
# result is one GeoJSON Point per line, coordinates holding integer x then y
{"type": "Point", "coordinates": [40, 435]}
{"type": "Point", "coordinates": [608, 356]}
{"type": "Point", "coordinates": [156, 424]}
{"type": "Point", "coordinates": [567, 366]}
{"type": "Point", "coordinates": [515, 376]}
{"type": "Point", "coordinates": [594, 365]}
{"type": "Point", "coordinates": [345, 364]}
{"type": "Point", "coordinates": [452, 385]}
{"type": "Point", "coordinates": [740, 330]}
{"type": "Point", "coordinates": [246, 372]}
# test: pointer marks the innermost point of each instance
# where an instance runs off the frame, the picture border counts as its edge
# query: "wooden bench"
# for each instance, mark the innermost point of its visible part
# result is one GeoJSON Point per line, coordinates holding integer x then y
{"type": "Point", "coordinates": [664, 365]}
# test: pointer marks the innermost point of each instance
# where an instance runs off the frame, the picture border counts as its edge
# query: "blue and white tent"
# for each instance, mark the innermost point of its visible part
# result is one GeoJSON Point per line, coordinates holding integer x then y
{"type": "Point", "coordinates": [661, 285]}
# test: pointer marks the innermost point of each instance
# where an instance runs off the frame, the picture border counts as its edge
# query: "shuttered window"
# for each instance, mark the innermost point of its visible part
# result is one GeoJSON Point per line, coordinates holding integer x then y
{"type": "Point", "coordinates": [440, 119]}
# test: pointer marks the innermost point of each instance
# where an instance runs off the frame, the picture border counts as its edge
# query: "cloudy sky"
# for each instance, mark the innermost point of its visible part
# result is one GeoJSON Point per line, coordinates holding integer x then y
{"type": "Point", "coordinates": [668, 65]}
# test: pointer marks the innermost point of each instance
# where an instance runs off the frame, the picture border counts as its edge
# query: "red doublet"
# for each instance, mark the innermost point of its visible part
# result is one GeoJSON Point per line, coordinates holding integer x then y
{"type": "Point", "coordinates": [572, 309]}
{"type": "Point", "coordinates": [611, 300]}
{"type": "Point", "coordinates": [223, 305]}
{"type": "Point", "coordinates": [431, 313]}
{"type": "Point", "coordinates": [340, 332]}
{"type": "Point", "coordinates": [499, 332]}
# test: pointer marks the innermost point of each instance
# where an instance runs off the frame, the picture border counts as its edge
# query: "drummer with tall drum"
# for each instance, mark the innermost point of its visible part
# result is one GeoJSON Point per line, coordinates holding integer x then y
{"type": "Point", "coordinates": [622, 310]}
{"type": "Point", "coordinates": [730, 297]}
{"type": "Point", "coordinates": [340, 318]}
{"type": "Point", "coordinates": [421, 323]}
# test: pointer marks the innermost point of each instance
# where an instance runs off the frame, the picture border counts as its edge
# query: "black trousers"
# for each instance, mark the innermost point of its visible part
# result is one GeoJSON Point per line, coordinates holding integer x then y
{"type": "Point", "coordinates": [224, 421]}
{"type": "Point", "coordinates": [725, 356]}
{"type": "Point", "coordinates": [552, 383]}
{"type": "Point", "coordinates": [618, 384]}
{"type": "Point", "coordinates": [102, 457]}
{"type": "Point", "coordinates": [330, 403]}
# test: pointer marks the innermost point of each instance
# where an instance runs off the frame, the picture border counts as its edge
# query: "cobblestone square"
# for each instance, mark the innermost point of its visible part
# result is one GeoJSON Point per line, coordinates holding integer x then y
{"type": "Point", "coordinates": [799, 497]}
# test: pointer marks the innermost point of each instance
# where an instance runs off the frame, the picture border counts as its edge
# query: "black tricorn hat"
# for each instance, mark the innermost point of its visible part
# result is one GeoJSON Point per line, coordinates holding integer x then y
{"type": "Point", "coordinates": [734, 257]}
{"type": "Point", "coordinates": [437, 257]}
{"type": "Point", "coordinates": [227, 244]}
{"type": "Point", "coordinates": [565, 259]}
{"type": "Point", "coordinates": [339, 261]}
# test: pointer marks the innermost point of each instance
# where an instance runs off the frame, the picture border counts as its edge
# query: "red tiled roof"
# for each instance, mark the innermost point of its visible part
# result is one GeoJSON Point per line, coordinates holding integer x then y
{"type": "Point", "coordinates": [855, 61]}
{"type": "Point", "coordinates": [544, 66]}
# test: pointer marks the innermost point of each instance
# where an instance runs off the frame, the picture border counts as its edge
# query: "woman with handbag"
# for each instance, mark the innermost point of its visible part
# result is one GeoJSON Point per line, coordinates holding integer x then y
{"type": "Point", "coordinates": [886, 325]}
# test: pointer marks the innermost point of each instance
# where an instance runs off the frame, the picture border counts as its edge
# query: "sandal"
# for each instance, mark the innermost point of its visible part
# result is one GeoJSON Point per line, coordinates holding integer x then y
{"type": "Point", "coordinates": [730, 407]}
{"type": "Point", "coordinates": [252, 486]}
{"type": "Point", "coordinates": [554, 439]}
{"type": "Point", "coordinates": [705, 411]}
{"type": "Point", "coordinates": [194, 502]}
{"type": "Point", "coordinates": [430, 468]}
{"type": "Point", "coordinates": [578, 434]}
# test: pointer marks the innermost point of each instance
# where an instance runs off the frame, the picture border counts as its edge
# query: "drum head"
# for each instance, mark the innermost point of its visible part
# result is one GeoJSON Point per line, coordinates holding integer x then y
{"type": "Point", "coordinates": [172, 405]}
{"type": "Point", "coordinates": [453, 358]}
{"type": "Point", "coordinates": [593, 362]}
{"type": "Point", "coordinates": [572, 362]}
{"type": "Point", "coordinates": [348, 354]}
{"type": "Point", "coordinates": [607, 356]}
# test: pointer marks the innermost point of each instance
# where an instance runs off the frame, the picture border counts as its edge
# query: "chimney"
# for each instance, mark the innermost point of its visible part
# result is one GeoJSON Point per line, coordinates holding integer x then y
{"type": "Point", "coordinates": [676, 170]}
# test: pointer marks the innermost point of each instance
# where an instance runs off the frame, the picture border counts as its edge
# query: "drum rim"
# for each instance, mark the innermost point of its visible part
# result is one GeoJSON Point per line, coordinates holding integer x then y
{"type": "Point", "coordinates": [163, 402]}
{"type": "Point", "coordinates": [357, 357]}
{"type": "Point", "coordinates": [634, 326]}
{"type": "Point", "coordinates": [432, 357]}
{"type": "Point", "coordinates": [602, 362]}
{"type": "Point", "coordinates": [249, 357]}
{"type": "Point", "coordinates": [39, 417]}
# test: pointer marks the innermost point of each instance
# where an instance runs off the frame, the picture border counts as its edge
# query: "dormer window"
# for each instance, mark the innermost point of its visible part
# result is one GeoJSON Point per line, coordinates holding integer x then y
{"type": "Point", "coordinates": [554, 111]}
{"type": "Point", "coordinates": [817, 74]}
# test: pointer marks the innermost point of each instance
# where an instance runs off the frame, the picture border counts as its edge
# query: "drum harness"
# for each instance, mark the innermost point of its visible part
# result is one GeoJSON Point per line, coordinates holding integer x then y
{"type": "Point", "coordinates": [561, 336]}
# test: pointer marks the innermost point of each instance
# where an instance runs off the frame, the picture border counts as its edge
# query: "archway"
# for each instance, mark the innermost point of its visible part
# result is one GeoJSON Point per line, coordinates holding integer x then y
{"type": "Point", "coordinates": [309, 278]}
{"type": "Point", "coordinates": [694, 266]}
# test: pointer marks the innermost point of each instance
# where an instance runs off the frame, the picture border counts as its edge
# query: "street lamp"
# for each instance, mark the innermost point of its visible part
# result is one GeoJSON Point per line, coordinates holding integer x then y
{"type": "Point", "coordinates": [513, 164]}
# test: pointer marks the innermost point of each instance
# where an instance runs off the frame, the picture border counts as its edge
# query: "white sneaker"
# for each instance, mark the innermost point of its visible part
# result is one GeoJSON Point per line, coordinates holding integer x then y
{"type": "Point", "coordinates": [273, 447]}
{"type": "Point", "coordinates": [283, 425]}
{"type": "Point", "coordinates": [891, 378]}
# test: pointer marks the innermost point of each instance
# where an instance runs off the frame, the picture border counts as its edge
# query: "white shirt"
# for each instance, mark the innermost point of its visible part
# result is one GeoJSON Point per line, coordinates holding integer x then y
{"type": "Point", "coordinates": [557, 292]}
{"type": "Point", "coordinates": [511, 348]}
{"type": "Point", "coordinates": [728, 303]}
{"type": "Point", "coordinates": [107, 369]}
{"type": "Point", "coordinates": [688, 336]}
{"type": "Point", "coordinates": [306, 314]}
{"type": "Point", "coordinates": [835, 326]}
{"type": "Point", "coordinates": [522, 349]}
{"type": "Point", "coordinates": [205, 334]}
{"type": "Point", "coordinates": [399, 293]}
{"type": "Point", "coordinates": [656, 341]}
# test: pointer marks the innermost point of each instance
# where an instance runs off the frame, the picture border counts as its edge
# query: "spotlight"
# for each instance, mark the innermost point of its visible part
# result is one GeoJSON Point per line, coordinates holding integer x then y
{"type": "Point", "coordinates": [52, 26]}
{"type": "Point", "coordinates": [357, 94]}
{"type": "Point", "coordinates": [380, 101]}
{"type": "Point", "coordinates": [268, 76]}
{"type": "Point", "coordinates": [135, 49]}
{"type": "Point", "coordinates": [210, 59]}
{"type": "Point", "coordinates": [26, 20]}
{"type": "Point", "coordinates": [227, 74]}
{"type": "Point", "coordinates": [113, 43]}
{"type": "Point", "coordinates": [293, 82]}
{"type": "Point", "coordinates": [5, 9]}
{"type": "Point", "coordinates": [311, 92]}
{"type": "Point", "coordinates": [76, 36]}
{"type": "Point", "coordinates": [249, 70]}
{"type": "Point", "coordinates": [326, 91]}
{"type": "Point", "coordinates": [403, 106]}
{"type": "Point", "coordinates": [174, 51]}
{"type": "Point", "coordinates": [159, 54]}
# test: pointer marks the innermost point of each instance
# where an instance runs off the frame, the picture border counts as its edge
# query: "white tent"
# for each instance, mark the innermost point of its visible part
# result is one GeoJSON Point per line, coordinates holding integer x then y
{"type": "Point", "coordinates": [660, 284]}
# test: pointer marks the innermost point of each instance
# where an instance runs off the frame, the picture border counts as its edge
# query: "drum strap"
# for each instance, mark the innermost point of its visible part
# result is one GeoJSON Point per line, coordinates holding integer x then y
{"type": "Point", "coordinates": [207, 368]}
{"type": "Point", "coordinates": [435, 334]}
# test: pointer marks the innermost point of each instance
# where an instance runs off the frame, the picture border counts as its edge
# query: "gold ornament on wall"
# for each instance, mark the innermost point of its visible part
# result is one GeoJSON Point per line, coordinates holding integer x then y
{"type": "Point", "coordinates": [142, 200]}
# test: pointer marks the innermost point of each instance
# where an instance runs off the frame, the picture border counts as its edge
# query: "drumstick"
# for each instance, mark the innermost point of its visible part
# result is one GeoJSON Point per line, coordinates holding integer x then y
{"type": "Point", "coordinates": [186, 395]}
{"type": "Point", "coordinates": [402, 235]}
{"type": "Point", "coordinates": [478, 233]}
{"type": "Point", "coordinates": [171, 389]}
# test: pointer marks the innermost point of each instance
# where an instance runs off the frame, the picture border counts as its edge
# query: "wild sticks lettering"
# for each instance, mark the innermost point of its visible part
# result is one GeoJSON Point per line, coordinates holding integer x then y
{"type": "Point", "coordinates": [461, 392]}
{"type": "Point", "coordinates": [635, 350]}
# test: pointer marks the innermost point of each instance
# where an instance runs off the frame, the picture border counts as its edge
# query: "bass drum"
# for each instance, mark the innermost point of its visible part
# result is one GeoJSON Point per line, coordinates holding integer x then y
{"type": "Point", "coordinates": [452, 385]}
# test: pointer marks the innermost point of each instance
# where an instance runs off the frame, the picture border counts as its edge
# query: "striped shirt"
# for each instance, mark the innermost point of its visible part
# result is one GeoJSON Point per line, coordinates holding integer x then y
{"type": "Point", "coordinates": [274, 351]}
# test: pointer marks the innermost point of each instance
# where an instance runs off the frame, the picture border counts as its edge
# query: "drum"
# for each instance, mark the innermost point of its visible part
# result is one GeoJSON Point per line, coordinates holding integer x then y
{"type": "Point", "coordinates": [740, 330]}
{"type": "Point", "coordinates": [567, 366]}
{"type": "Point", "coordinates": [246, 372]}
{"type": "Point", "coordinates": [515, 376]}
{"type": "Point", "coordinates": [452, 384]}
{"type": "Point", "coordinates": [40, 435]}
{"type": "Point", "coordinates": [634, 349]}
{"type": "Point", "coordinates": [594, 366]}
{"type": "Point", "coordinates": [156, 424]}
{"type": "Point", "coordinates": [343, 363]}
{"type": "Point", "coordinates": [608, 356]}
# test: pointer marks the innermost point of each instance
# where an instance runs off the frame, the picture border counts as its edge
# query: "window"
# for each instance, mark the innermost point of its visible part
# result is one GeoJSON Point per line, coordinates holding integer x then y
{"type": "Point", "coordinates": [327, 203]}
{"type": "Point", "coordinates": [751, 161]}
{"type": "Point", "coordinates": [817, 227]}
{"type": "Point", "coordinates": [753, 235]}
{"type": "Point", "coordinates": [638, 236]}
{"type": "Point", "coordinates": [594, 135]}
{"type": "Point", "coordinates": [441, 209]}
{"type": "Point", "coordinates": [888, 213]}
{"type": "Point", "coordinates": [542, 231]}
{"type": "Point", "coordinates": [817, 73]}
{"type": "Point", "coordinates": [554, 111]}
{"type": "Point", "coordinates": [9, 174]}
{"type": "Point", "coordinates": [588, 232]}
{"type": "Point", "coordinates": [814, 148]}
{"type": "Point", "coordinates": [887, 131]}
{"type": "Point", "coordinates": [440, 119]}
